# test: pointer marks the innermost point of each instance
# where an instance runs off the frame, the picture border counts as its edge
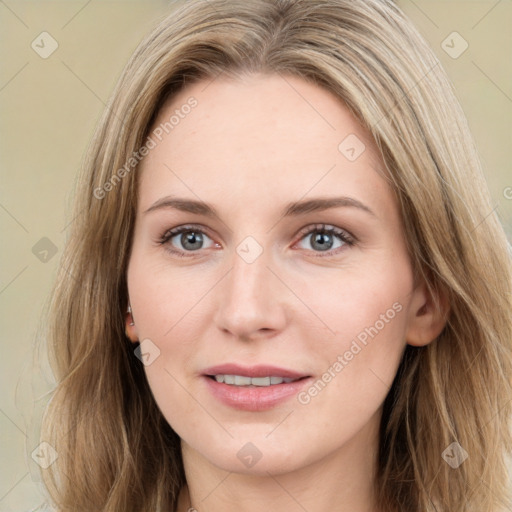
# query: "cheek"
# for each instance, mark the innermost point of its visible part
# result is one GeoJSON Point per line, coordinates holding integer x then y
{"type": "Point", "coordinates": [169, 310]}
{"type": "Point", "coordinates": [365, 318]}
{"type": "Point", "coordinates": [358, 363]}
{"type": "Point", "coordinates": [356, 303]}
{"type": "Point", "coordinates": [162, 298]}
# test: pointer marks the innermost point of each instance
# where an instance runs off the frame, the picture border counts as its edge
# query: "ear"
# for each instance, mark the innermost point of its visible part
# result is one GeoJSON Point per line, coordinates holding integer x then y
{"type": "Point", "coordinates": [428, 315]}
{"type": "Point", "coordinates": [130, 328]}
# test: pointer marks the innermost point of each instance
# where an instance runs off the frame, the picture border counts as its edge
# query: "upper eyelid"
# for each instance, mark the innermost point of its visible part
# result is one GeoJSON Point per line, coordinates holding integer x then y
{"type": "Point", "coordinates": [185, 227]}
{"type": "Point", "coordinates": [323, 227]}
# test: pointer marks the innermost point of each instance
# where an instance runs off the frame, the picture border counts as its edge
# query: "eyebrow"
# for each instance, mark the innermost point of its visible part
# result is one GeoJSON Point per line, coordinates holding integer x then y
{"type": "Point", "coordinates": [293, 209]}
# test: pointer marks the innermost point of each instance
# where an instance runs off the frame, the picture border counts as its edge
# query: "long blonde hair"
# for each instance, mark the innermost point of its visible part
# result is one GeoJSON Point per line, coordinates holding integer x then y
{"type": "Point", "coordinates": [116, 451]}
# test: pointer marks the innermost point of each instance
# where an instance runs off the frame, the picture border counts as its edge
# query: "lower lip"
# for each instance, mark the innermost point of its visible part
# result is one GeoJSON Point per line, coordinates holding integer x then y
{"type": "Point", "coordinates": [254, 398]}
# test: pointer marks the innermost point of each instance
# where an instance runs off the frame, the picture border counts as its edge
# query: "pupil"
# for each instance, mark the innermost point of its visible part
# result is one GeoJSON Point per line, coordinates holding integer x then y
{"type": "Point", "coordinates": [191, 238]}
{"type": "Point", "coordinates": [323, 240]}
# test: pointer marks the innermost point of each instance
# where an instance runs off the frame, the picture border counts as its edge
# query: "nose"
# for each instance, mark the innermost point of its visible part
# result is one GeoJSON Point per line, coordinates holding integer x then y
{"type": "Point", "coordinates": [251, 300]}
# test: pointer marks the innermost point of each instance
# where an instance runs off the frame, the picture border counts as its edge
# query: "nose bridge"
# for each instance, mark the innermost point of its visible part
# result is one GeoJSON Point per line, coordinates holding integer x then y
{"type": "Point", "coordinates": [250, 299]}
{"type": "Point", "coordinates": [249, 273]}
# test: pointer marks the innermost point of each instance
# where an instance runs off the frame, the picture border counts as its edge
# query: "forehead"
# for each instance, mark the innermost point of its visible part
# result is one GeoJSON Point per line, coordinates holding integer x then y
{"type": "Point", "coordinates": [278, 134]}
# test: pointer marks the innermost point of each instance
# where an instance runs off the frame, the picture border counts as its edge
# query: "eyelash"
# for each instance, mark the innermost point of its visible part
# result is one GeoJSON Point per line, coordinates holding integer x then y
{"type": "Point", "coordinates": [343, 235]}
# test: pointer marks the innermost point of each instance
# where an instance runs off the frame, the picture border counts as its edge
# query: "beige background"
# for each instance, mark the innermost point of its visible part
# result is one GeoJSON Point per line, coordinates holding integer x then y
{"type": "Point", "coordinates": [49, 107]}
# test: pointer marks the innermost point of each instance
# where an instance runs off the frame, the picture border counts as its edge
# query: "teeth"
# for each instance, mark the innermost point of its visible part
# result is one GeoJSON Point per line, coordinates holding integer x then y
{"type": "Point", "coordinates": [229, 379]}
{"type": "Point", "coordinates": [242, 380]}
{"type": "Point", "coordinates": [260, 381]}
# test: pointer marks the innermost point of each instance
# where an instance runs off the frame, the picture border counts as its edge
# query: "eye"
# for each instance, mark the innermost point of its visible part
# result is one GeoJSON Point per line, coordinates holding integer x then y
{"type": "Point", "coordinates": [320, 238]}
{"type": "Point", "coordinates": [185, 239]}
{"type": "Point", "coordinates": [326, 239]}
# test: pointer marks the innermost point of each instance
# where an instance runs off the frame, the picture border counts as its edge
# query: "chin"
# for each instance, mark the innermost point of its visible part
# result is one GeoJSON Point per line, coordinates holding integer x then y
{"type": "Point", "coordinates": [255, 455]}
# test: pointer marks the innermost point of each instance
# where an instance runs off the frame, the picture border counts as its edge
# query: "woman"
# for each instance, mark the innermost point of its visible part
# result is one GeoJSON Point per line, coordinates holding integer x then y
{"type": "Point", "coordinates": [284, 286]}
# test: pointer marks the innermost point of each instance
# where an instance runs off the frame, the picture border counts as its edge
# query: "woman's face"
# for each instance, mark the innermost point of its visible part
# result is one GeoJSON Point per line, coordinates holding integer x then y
{"type": "Point", "coordinates": [292, 264]}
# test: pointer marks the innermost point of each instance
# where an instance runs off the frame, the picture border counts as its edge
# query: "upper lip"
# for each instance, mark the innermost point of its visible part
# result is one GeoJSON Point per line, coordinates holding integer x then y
{"type": "Point", "coordinates": [261, 370]}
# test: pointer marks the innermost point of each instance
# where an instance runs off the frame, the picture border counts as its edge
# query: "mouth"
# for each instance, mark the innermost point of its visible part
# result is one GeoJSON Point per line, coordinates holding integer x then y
{"type": "Point", "coordinates": [255, 388]}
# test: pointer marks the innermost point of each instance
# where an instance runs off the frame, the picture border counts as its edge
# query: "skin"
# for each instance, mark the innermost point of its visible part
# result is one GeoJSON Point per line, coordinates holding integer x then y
{"type": "Point", "coordinates": [248, 148]}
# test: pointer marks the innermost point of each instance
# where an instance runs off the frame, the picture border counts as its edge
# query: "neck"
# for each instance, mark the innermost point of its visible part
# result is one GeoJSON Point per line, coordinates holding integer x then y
{"type": "Point", "coordinates": [343, 481]}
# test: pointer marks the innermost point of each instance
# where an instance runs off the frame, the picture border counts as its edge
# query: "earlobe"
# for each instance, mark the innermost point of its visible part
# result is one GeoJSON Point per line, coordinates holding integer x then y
{"type": "Point", "coordinates": [428, 316]}
{"type": "Point", "coordinates": [129, 326]}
